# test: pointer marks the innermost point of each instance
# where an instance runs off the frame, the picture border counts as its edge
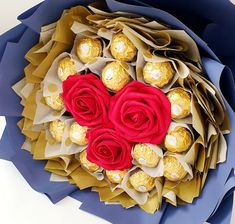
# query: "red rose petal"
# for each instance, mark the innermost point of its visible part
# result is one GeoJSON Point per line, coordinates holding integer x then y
{"type": "Point", "coordinates": [140, 113]}
{"type": "Point", "coordinates": [87, 99]}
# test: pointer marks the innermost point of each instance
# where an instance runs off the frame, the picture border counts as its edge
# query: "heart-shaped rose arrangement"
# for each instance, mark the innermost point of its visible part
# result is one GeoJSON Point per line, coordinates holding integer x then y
{"type": "Point", "coordinates": [136, 114]}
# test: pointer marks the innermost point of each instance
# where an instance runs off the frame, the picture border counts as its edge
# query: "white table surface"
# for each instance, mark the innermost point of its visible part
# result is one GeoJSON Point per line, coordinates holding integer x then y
{"type": "Point", "coordinates": [19, 203]}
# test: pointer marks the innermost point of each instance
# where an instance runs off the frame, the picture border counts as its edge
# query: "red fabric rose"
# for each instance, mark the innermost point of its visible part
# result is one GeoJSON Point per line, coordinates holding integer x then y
{"type": "Point", "coordinates": [87, 99]}
{"type": "Point", "coordinates": [108, 149]}
{"type": "Point", "coordinates": [140, 113]}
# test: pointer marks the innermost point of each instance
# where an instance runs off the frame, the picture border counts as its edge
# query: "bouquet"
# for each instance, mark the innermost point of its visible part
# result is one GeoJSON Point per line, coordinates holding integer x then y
{"type": "Point", "coordinates": [127, 105]}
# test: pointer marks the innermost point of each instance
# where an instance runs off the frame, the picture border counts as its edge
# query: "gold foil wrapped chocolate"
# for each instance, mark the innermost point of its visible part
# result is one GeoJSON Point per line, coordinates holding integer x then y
{"type": "Point", "coordinates": [88, 49]}
{"type": "Point", "coordinates": [66, 67]}
{"type": "Point", "coordinates": [56, 129]}
{"type": "Point", "coordinates": [114, 76]}
{"type": "Point", "coordinates": [145, 156]}
{"type": "Point", "coordinates": [178, 140]}
{"type": "Point", "coordinates": [180, 103]}
{"type": "Point", "coordinates": [77, 134]}
{"type": "Point", "coordinates": [92, 167]}
{"type": "Point", "coordinates": [55, 101]}
{"type": "Point", "coordinates": [173, 170]}
{"type": "Point", "coordinates": [122, 48]}
{"type": "Point", "coordinates": [116, 176]}
{"type": "Point", "coordinates": [141, 181]}
{"type": "Point", "coordinates": [158, 73]}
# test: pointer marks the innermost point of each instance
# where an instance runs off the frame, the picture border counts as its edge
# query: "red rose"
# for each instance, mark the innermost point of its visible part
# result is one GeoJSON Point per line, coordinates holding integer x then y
{"type": "Point", "coordinates": [108, 149]}
{"type": "Point", "coordinates": [87, 99]}
{"type": "Point", "coordinates": [140, 113]}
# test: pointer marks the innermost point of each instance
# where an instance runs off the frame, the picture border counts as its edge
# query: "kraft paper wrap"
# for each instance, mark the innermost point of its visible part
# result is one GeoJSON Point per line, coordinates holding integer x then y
{"type": "Point", "coordinates": [155, 42]}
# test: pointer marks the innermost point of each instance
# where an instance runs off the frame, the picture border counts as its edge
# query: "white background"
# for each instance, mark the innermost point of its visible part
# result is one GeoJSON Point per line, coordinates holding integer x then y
{"type": "Point", "coordinates": [19, 204]}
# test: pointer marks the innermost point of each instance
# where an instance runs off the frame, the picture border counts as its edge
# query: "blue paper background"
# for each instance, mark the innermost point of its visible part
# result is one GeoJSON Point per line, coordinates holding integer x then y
{"type": "Point", "coordinates": [218, 31]}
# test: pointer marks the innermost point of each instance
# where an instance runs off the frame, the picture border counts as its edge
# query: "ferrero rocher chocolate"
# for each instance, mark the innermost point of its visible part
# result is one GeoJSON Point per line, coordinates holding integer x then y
{"type": "Point", "coordinates": [77, 134]}
{"type": "Point", "coordinates": [116, 176]}
{"type": "Point", "coordinates": [180, 103]}
{"type": "Point", "coordinates": [141, 181]}
{"type": "Point", "coordinates": [66, 67]}
{"type": "Point", "coordinates": [55, 101]}
{"type": "Point", "coordinates": [173, 170]}
{"type": "Point", "coordinates": [122, 48]}
{"type": "Point", "coordinates": [145, 156]}
{"type": "Point", "coordinates": [178, 140]}
{"type": "Point", "coordinates": [158, 73]}
{"type": "Point", "coordinates": [56, 129]}
{"type": "Point", "coordinates": [88, 49]}
{"type": "Point", "coordinates": [114, 76]}
{"type": "Point", "coordinates": [92, 167]}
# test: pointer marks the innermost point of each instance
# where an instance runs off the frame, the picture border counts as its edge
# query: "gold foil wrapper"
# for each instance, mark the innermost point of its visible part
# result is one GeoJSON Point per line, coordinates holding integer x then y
{"type": "Point", "coordinates": [55, 101]}
{"type": "Point", "coordinates": [77, 134]}
{"type": "Point", "coordinates": [180, 103]}
{"type": "Point", "coordinates": [122, 48]}
{"type": "Point", "coordinates": [116, 176]}
{"type": "Point", "coordinates": [88, 49]}
{"type": "Point", "coordinates": [141, 181]}
{"type": "Point", "coordinates": [92, 167]}
{"type": "Point", "coordinates": [145, 156]}
{"type": "Point", "coordinates": [56, 129]}
{"type": "Point", "coordinates": [66, 67]}
{"type": "Point", "coordinates": [158, 73]}
{"type": "Point", "coordinates": [173, 170]}
{"type": "Point", "coordinates": [114, 76]}
{"type": "Point", "coordinates": [178, 140]}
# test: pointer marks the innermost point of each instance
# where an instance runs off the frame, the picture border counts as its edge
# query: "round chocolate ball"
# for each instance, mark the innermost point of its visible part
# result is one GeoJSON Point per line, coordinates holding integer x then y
{"type": "Point", "coordinates": [180, 103]}
{"type": "Point", "coordinates": [122, 48]}
{"type": "Point", "coordinates": [88, 49]}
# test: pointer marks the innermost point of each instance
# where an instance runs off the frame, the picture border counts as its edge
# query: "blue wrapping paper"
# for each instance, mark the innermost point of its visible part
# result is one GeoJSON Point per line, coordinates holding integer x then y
{"type": "Point", "coordinates": [220, 183]}
{"type": "Point", "coordinates": [14, 53]}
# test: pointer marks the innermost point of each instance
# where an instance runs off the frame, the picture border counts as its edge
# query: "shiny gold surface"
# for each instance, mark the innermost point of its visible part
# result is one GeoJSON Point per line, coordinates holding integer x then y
{"type": "Point", "coordinates": [66, 67]}
{"type": "Point", "coordinates": [180, 103]}
{"type": "Point", "coordinates": [115, 176]}
{"type": "Point", "coordinates": [173, 170]}
{"type": "Point", "coordinates": [55, 101]}
{"type": "Point", "coordinates": [92, 167]}
{"type": "Point", "coordinates": [88, 49]}
{"type": "Point", "coordinates": [158, 73]}
{"type": "Point", "coordinates": [141, 181]}
{"type": "Point", "coordinates": [122, 48]}
{"type": "Point", "coordinates": [56, 129]}
{"type": "Point", "coordinates": [145, 156]}
{"type": "Point", "coordinates": [77, 134]}
{"type": "Point", "coordinates": [114, 76]}
{"type": "Point", "coordinates": [178, 140]}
